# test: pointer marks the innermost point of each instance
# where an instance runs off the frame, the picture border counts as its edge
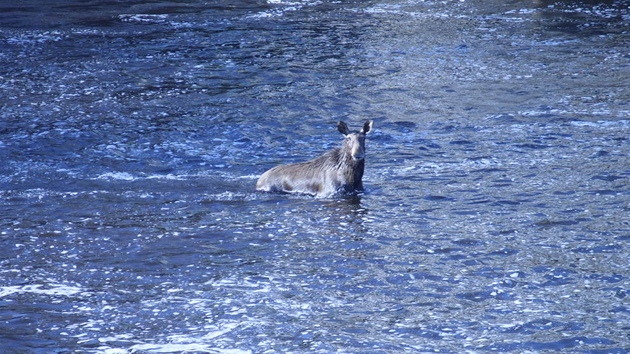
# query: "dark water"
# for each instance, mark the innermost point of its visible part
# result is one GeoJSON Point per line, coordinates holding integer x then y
{"type": "Point", "coordinates": [496, 215]}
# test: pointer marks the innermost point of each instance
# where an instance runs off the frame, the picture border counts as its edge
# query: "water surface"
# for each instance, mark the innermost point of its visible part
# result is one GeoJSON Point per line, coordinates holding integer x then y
{"type": "Point", "coordinates": [495, 216]}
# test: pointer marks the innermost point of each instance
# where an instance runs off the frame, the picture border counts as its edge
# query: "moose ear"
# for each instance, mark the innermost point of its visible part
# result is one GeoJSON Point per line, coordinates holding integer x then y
{"type": "Point", "coordinates": [343, 128]}
{"type": "Point", "coordinates": [367, 126]}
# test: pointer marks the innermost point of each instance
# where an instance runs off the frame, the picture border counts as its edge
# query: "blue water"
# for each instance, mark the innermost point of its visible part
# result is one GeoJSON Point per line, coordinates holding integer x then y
{"type": "Point", "coordinates": [495, 216]}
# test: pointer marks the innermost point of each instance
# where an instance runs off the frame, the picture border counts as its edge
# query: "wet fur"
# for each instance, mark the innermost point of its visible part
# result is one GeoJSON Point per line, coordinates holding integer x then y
{"type": "Point", "coordinates": [333, 172]}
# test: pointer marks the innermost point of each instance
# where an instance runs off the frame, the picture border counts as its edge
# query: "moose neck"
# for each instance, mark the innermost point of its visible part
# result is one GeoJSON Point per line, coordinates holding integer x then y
{"type": "Point", "coordinates": [351, 169]}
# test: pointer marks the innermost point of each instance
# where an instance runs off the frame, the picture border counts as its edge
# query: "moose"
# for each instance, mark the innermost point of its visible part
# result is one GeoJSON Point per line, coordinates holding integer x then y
{"type": "Point", "coordinates": [338, 171]}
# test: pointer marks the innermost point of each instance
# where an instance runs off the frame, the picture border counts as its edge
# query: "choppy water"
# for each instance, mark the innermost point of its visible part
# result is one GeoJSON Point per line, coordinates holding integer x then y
{"type": "Point", "coordinates": [495, 216]}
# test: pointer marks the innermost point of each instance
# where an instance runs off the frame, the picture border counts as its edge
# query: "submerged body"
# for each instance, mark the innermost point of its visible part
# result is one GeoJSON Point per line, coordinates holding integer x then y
{"type": "Point", "coordinates": [337, 171]}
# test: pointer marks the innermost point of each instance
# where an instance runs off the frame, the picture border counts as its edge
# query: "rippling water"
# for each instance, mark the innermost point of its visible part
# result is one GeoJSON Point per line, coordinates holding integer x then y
{"type": "Point", "coordinates": [495, 216]}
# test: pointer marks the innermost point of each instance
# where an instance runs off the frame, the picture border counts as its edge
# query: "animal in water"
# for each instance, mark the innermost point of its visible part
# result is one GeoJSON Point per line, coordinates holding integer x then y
{"type": "Point", "coordinates": [338, 171]}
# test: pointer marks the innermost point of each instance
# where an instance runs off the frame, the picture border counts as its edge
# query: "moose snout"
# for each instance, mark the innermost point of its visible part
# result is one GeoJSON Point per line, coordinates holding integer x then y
{"type": "Point", "coordinates": [358, 154]}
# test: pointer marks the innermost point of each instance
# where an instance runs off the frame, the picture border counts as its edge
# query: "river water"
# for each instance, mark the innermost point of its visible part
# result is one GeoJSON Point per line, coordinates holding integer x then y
{"type": "Point", "coordinates": [495, 216]}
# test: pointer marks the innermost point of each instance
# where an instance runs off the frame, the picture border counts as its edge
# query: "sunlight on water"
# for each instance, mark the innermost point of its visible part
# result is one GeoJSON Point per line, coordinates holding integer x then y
{"type": "Point", "coordinates": [495, 211]}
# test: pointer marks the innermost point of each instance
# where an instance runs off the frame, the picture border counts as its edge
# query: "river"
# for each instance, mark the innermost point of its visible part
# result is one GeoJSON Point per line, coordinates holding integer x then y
{"type": "Point", "coordinates": [495, 214]}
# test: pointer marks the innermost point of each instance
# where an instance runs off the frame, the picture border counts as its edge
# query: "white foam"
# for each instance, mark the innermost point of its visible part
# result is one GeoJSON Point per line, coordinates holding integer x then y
{"type": "Point", "coordinates": [190, 347]}
{"type": "Point", "coordinates": [121, 176]}
{"type": "Point", "coordinates": [283, 6]}
{"type": "Point", "coordinates": [48, 289]}
{"type": "Point", "coordinates": [114, 351]}
{"type": "Point", "coordinates": [143, 18]}
{"type": "Point", "coordinates": [36, 38]}
{"type": "Point", "coordinates": [169, 176]}
{"type": "Point", "coordinates": [125, 176]}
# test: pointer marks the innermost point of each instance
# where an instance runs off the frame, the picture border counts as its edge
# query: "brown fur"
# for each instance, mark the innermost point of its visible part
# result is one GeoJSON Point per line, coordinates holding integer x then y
{"type": "Point", "coordinates": [338, 170]}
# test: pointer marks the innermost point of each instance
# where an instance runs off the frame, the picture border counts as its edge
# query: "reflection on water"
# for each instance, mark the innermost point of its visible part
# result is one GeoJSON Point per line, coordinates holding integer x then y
{"type": "Point", "coordinates": [494, 216]}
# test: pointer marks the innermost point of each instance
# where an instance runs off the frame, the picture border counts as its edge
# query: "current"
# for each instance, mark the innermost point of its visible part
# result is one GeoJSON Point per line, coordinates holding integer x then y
{"type": "Point", "coordinates": [496, 211]}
